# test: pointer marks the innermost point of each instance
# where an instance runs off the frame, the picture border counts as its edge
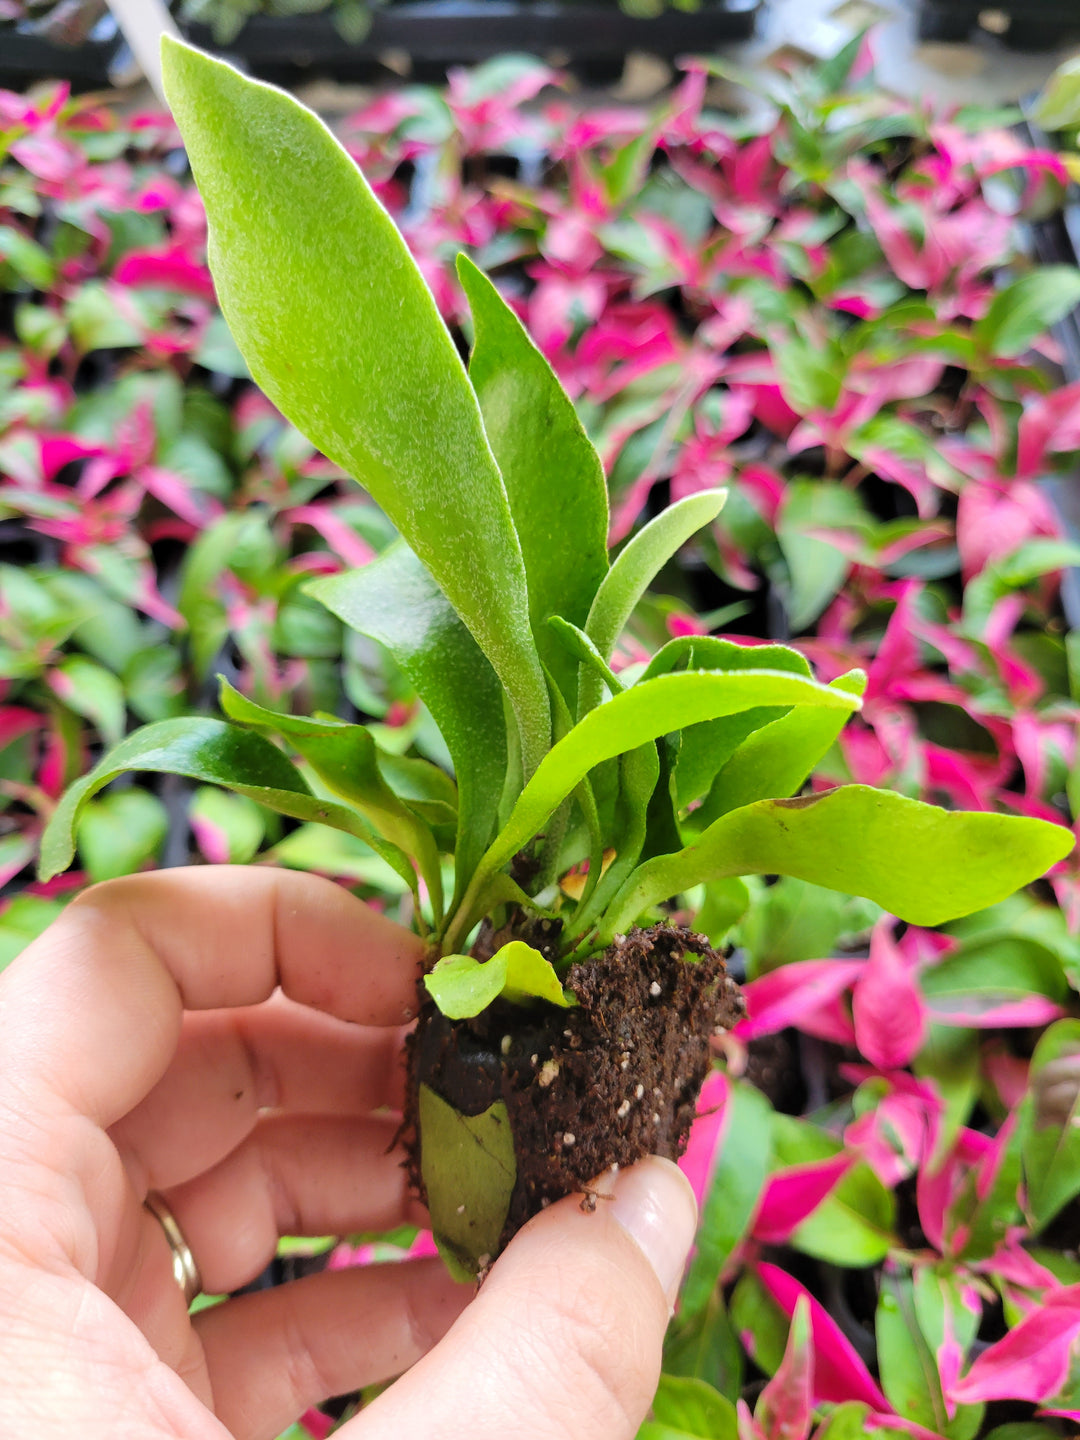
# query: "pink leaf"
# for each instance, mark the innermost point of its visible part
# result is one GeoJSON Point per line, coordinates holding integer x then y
{"type": "Point", "coordinates": [793, 1194]}
{"type": "Point", "coordinates": [893, 1137]}
{"type": "Point", "coordinates": [987, 1012]}
{"type": "Point", "coordinates": [316, 1424]}
{"type": "Point", "coordinates": [839, 1374]}
{"type": "Point", "coordinates": [170, 267]}
{"type": "Point", "coordinates": [211, 840]}
{"type": "Point", "coordinates": [887, 1006]}
{"type": "Point", "coordinates": [342, 539]}
{"type": "Point", "coordinates": [938, 1185]}
{"type": "Point", "coordinates": [16, 721]}
{"type": "Point", "coordinates": [1033, 1361]}
{"type": "Point", "coordinates": [706, 1133]}
{"type": "Point", "coordinates": [785, 1407]}
{"type": "Point", "coordinates": [783, 996]}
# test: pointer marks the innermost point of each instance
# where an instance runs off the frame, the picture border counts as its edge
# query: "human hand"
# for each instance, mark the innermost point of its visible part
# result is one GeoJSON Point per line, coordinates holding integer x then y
{"type": "Point", "coordinates": [185, 1031]}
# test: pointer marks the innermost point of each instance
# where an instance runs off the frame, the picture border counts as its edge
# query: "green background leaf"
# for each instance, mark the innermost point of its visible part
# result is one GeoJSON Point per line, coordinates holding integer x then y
{"type": "Point", "coordinates": [1022, 311]}
{"type": "Point", "coordinates": [735, 1186]}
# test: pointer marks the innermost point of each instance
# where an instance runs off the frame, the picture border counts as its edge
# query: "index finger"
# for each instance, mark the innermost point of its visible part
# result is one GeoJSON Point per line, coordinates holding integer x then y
{"type": "Point", "coordinates": [91, 1010]}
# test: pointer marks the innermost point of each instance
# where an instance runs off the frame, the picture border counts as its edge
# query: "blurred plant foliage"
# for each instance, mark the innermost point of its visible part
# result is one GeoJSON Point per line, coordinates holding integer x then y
{"type": "Point", "coordinates": [831, 310]}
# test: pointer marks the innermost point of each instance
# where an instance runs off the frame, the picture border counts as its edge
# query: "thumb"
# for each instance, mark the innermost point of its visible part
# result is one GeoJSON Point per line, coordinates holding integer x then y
{"type": "Point", "coordinates": [563, 1341]}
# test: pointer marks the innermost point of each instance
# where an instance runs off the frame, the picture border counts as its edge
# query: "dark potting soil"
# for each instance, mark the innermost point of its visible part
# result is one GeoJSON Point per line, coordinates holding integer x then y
{"type": "Point", "coordinates": [608, 1082]}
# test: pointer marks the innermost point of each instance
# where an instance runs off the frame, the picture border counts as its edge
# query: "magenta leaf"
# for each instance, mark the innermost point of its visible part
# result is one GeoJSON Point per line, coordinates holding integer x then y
{"type": "Point", "coordinates": [1033, 1361]}
{"type": "Point", "coordinates": [785, 1407]}
{"type": "Point", "coordinates": [890, 1016]}
{"type": "Point", "coordinates": [793, 1194]}
{"type": "Point", "coordinates": [792, 994]}
{"type": "Point", "coordinates": [838, 1373]}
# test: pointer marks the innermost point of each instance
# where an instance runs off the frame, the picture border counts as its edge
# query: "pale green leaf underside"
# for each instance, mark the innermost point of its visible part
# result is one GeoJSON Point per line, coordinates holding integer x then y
{"type": "Point", "coordinates": [395, 601]}
{"type": "Point", "coordinates": [921, 863]}
{"type": "Point", "coordinates": [332, 315]}
{"type": "Point", "coordinates": [345, 758]}
{"type": "Point", "coordinates": [218, 754]}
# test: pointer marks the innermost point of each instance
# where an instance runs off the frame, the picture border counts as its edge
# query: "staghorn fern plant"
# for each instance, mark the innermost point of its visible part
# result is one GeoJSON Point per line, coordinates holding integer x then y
{"type": "Point", "coordinates": [565, 1026]}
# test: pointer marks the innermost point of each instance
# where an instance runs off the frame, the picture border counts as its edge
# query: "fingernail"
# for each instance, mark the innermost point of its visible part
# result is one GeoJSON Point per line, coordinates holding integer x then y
{"type": "Point", "coordinates": [654, 1204]}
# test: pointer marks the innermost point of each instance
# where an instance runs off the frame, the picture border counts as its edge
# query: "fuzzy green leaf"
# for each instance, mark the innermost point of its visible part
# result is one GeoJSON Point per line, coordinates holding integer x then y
{"type": "Point", "coordinates": [345, 758]}
{"type": "Point", "coordinates": [461, 986]}
{"type": "Point", "coordinates": [625, 583]}
{"type": "Point", "coordinates": [921, 863]}
{"type": "Point", "coordinates": [469, 1171]}
{"type": "Point", "coordinates": [703, 749]}
{"type": "Point", "coordinates": [218, 754]}
{"type": "Point", "coordinates": [552, 473]}
{"type": "Point", "coordinates": [307, 302]}
{"type": "Point", "coordinates": [627, 721]}
{"type": "Point", "coordinates": [395, 601]}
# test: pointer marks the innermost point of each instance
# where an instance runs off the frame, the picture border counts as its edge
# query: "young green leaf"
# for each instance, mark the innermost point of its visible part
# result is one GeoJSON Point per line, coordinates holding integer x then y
{"type": "Point", "coordinates": [395, 601]}
{"type": "Point", "coordinates": [461, 986]}
{"type": "Point", "coordinates": [307, 304]}
{"type": "Point", "coordinates": [627, 721]}
{"type": "Point", "coordinates": [219, 754]}
{"type": "Point", "coordinates": [921, 863]}
{"type": "Point", "coordinates": [577, 644]}
{"type": "Point", "coordinates": [345, 758]}
{"type": "Point", "coordinates": [552, 473]}
{"type": "Point", "coordinates": [626, 581]}
{"type": "Point", "coordinates": [775, 761]}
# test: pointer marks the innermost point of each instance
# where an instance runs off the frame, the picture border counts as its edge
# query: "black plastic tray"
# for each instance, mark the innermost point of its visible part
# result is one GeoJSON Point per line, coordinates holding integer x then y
{"type": "Point", "coordinates": [26, 58]}
{"type": "Point", "coordinates": [446, 32]}
{"type": "Point", "coordinates": [1034, 24]}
